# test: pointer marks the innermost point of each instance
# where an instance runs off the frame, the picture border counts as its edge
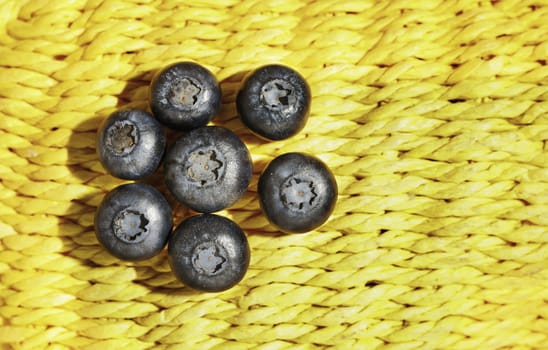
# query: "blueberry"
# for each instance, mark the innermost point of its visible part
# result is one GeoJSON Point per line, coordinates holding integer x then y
{"type": "Point", "coordinates": [133, 222]}
{"type": "Point", "coordinates": [130, 144]}
{"type": "Point", "coordinates": [297, 192]}
{"type": "Point", "coordinates": [185, 96]}
{"type": "Point", "coordinates": [208, 252]}
{"type": "Point", "coordinates": [274, 102]}
{"type": "Point", "coordinates": [208, 169]}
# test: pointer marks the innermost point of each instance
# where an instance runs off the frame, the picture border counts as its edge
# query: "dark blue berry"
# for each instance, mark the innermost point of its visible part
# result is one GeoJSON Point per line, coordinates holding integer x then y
{"type": "Point", "coordinates": [297, 192]}
{"type": "Point", "coordinates": [208, 169]}
{"type": "Point", "coordinates": [274, 102]}
{"type": "Point", "coordinates": [133, 222]}
{"type": "Point", "coordinates": [184, 96]}
{"type": "Point", "coordinates": [209, 253]}
{"type": "Point", "coordinates": [130, 144]}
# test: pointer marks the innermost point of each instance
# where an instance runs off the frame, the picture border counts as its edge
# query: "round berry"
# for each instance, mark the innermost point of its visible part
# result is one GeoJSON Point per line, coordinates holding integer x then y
{"type": "Point", "coordinates": [208, 169]}
{"type": "Point", "coordinates": [133, 222]}
{"type": "Point", "coordinates": [209, 253]}
{"type": "Point", "coordinates": [274, 102]}
{"type": "Point", "coordinates": [130, 144]}
{"type": "Point", "coordinates": [184, 96]}
{"type": "Point", "coordinates": [297, 192]}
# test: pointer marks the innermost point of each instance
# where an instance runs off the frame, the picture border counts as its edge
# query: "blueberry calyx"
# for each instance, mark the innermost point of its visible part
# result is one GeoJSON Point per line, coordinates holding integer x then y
{"type": "Point", "coordinates": [130, 226]}
{"type": "Point", "coordinates": [298, 194]}
{"type": "Point", "coordinates": [122, 136]}
{"type": "Point", "coordinates": [279, 95]}
{"type": "Point", "coordinates": [205, 166]}
{"type": "Point", "coordinates": [184, 94]}
{"type": "Point", "coordinates": [209, 258]}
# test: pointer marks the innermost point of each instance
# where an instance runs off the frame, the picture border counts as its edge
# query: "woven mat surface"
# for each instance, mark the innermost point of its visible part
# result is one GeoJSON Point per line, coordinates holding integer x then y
{"type": "Point", "coordinates": [433, 116]}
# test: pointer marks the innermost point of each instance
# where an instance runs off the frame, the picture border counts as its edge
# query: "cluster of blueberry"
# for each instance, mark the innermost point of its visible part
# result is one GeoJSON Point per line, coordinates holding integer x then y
{"type": "Point", "coordinates": [207, 169]}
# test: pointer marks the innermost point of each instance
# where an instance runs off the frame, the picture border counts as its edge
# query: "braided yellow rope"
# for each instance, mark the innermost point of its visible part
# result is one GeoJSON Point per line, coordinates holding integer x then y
{"type": "Point", "coordinates": [433, 116]}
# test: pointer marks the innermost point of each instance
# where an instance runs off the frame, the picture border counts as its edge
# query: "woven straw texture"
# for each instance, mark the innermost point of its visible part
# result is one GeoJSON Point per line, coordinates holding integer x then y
{"type": "Point", "coordinates": [433, 115]}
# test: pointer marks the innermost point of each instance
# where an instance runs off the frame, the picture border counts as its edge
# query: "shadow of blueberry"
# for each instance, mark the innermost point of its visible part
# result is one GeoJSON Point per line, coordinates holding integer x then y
{"type": "Point", "coordinates": [154, 273]}
{"type": "Point", "coordinates": [83, 163]}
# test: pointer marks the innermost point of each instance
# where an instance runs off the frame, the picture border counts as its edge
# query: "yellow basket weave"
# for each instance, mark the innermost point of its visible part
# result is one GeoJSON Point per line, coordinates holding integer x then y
{"type": "Point", "coordinates": [433, 116]}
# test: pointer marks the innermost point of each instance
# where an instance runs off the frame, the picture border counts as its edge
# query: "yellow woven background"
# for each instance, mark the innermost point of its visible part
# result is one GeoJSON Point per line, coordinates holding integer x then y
{"type": "Point", "coordinates": [432, 114]}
